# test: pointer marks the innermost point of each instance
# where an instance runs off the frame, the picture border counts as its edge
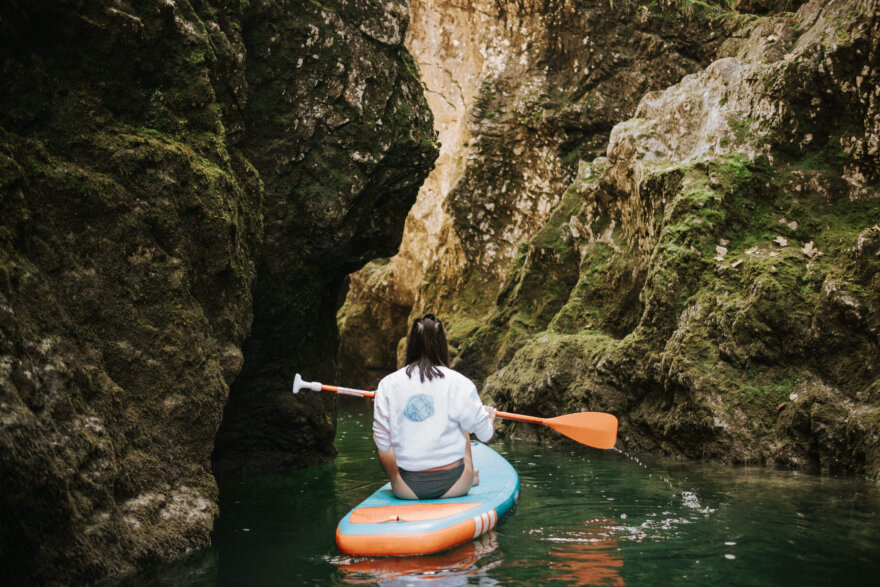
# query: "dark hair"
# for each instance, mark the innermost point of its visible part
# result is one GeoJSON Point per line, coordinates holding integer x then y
{"type": "Point", "coordinates": [426, 348]}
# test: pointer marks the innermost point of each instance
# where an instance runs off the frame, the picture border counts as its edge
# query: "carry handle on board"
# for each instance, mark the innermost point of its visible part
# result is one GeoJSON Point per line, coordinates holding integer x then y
{"type": "Point", "coordinates": [596, 429]}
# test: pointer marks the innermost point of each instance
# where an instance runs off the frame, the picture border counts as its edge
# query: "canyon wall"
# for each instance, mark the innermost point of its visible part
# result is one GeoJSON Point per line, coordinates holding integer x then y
{"type": "Point", "coordinates": [715, 279]}
{"type": "Point", "coordinates": [339, 128]}
{"type": "Point", "coordinates": [521, 91]}
{"type": "Point", "coordinates": [170, 174]}
{"type": "Point", "coordinates": [701, 261]}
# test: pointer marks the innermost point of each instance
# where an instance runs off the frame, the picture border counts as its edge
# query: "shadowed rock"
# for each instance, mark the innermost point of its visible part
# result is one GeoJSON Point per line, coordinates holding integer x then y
{"type": "Point", "coordinates": [155, 159]}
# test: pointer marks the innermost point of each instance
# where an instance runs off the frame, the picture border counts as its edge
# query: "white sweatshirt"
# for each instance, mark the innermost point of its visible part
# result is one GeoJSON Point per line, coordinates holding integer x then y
{"type": "Point", "coordinates": [425, 422]}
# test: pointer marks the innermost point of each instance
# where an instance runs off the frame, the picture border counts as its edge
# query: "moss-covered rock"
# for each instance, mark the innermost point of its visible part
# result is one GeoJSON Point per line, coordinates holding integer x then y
{"type": "Point", "coordinates": [739, 207]}
{"type": "Point", "coordinates": [525, 91]}
{"type": "Point", "coordinates": [130, 222]}
{"type": "Point", "coordinates": [357, 315]}
{"type": "Point", "coordinates": [343, 137]}
{"type": "Point", "coordinates": [156, 160]}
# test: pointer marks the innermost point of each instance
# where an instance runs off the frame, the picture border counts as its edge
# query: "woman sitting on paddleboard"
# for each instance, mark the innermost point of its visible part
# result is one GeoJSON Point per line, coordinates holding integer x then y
{"type": "Point", "coordinates": [423, 416]}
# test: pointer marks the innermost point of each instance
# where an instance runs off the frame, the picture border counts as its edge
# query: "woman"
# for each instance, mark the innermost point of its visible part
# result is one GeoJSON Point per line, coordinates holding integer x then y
{"type": "Point", "coordinates": [422, 420]}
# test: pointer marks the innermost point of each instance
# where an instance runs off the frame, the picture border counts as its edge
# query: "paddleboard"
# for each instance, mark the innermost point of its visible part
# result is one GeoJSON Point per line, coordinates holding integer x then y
{"type": "Point", "coordinates": [383, 525]}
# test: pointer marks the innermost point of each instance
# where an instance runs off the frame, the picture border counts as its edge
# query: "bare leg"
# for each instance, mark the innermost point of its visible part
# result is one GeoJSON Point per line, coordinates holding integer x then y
{"type": "Point", "coordinates": [469, 457]}
{"type": "Point", "coordinates": [491, 411]}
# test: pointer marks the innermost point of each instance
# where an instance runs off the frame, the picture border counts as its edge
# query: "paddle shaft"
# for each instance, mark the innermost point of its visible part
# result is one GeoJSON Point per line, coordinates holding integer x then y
{"type": "Point", "coordinates": [520, 417]}
{"type": "Point", "coordinates": [348, 391]}
{"type": "Point", "coordinates": [372, 394]}
{"type": "Point", "coordinates": [595, 429]}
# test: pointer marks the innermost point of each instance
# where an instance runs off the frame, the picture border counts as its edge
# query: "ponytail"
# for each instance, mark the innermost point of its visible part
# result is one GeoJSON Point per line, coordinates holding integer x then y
{"type": "Point", "coordinates": [426, 348]}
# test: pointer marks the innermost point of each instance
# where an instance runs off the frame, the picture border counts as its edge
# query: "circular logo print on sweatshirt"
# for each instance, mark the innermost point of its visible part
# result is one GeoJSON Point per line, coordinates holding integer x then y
{"type": "Point", "coordinates": [419, 407]}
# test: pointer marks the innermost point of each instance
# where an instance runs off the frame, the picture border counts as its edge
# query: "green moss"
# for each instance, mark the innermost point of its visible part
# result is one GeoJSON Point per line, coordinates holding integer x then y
{"type": "Point", "coordinates": [555, 235]}
{"type": "Point", "coordinates": [460, 327]}
{"type": "Point", "coordinates": [742, 129]}
{"type": "Point", "coordinates": [571, 157]}
{"type": "Point", "coordinates": [762, 391]}
{"type": "Point", "coordinates": [688, 8]}
{"type": "Point", "coordinates": [323, 7]}
{"type": "Point", "coordinates": [829, 156]}
{"type": "Point", "coordinates": [486, 97]}
{"type": "Point", "coordinates": [547, 374]}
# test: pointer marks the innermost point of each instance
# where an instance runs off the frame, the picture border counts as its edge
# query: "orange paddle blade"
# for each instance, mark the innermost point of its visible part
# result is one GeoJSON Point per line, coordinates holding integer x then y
{"type": "Point", "coordinates": [596, 429]}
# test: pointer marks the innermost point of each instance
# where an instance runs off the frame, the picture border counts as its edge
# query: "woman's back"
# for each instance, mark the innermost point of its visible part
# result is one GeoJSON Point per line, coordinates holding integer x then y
{"type": "Point", "coordinates": [423, 416]}
{"type": "Point", "coordinates": [424, 420]}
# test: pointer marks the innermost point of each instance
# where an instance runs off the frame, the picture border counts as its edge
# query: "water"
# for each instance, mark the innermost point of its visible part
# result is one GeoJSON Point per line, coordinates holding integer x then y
{"type": "Point", "coordinates": [585, 517]}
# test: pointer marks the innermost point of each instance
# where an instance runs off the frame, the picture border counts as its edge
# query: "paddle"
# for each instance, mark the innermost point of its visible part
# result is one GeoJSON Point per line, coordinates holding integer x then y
{"type": "Point", "coordinates": [596, 429]}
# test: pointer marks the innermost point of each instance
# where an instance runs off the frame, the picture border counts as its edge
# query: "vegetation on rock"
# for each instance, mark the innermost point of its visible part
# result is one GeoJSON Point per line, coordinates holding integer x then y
{"type": "Point", "coordinates": [713, 278]}
{"type": "Point", "coordinates": [542, 86]}
{"type": "Point", "coordinates": [339, 128]}
{"type": "Point", "coordinates": [155, 161]}
{"type": "Point", "coordinates": [726, 301]}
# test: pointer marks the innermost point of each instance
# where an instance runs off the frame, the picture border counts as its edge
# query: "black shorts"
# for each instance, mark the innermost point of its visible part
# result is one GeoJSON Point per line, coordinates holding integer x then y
{"type": "Point", "coordinates": [431, 484]}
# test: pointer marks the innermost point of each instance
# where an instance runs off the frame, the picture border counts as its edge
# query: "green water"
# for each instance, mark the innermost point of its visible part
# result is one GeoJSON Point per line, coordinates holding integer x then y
{"type": "Point", "coordinates": [585, 517]}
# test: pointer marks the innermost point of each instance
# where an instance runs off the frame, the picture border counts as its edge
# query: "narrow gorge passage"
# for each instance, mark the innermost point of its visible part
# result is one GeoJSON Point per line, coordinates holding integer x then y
{"type": "Point", "coordinates": [337, 190]}
{"type": "Point", "coordinates": [666, 210]}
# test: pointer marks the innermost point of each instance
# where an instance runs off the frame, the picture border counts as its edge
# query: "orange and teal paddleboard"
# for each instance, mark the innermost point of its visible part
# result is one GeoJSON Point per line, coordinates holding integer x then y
{"type": "Point", "coordinates": [383, 525]}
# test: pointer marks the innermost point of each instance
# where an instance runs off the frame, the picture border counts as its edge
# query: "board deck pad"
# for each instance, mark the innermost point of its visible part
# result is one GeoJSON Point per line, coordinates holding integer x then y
{"type": "Point", "coordinates": [383, 525]}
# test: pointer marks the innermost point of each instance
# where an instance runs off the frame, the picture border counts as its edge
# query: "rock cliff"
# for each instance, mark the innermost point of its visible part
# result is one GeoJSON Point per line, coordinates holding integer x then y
{"type": "Point", "coordinates": [714, 279]}
{"type": "Point", "coordinates": [521, 92]}
{"type": "Point", "coordinates": [171, 172]}
{"type": "Point", "coordinates": [339, 128]}
{"type": "Point", "coordinates": [706, 269]}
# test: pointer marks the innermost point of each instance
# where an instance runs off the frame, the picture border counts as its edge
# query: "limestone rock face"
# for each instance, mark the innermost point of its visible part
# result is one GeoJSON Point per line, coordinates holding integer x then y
{"type": "Point", "coordinates": [714, 279]}
{"type": "Point", "coordinates": [365, 359]}
{"type": "Point", "coordinates": [521, 92]}
{"type": "Point", "coordinates": [154, 158]}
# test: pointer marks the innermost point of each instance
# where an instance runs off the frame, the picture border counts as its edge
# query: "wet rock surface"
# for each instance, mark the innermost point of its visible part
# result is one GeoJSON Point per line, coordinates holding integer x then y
{"type": "Point", "coordinates": [341, 132]}
{"type": "Point", "coordinates": [169, 174]}
{"type": "Point", "coordinates": [710, 280]}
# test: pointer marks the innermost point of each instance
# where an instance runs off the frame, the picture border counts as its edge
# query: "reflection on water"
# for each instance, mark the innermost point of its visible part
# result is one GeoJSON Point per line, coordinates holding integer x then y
{"type": "Point", "coordinates": [455, 564]}
{"type": "Point", "coordinates": [585, 517]}
{"type": "Point", "coordinates": [590, 556]}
